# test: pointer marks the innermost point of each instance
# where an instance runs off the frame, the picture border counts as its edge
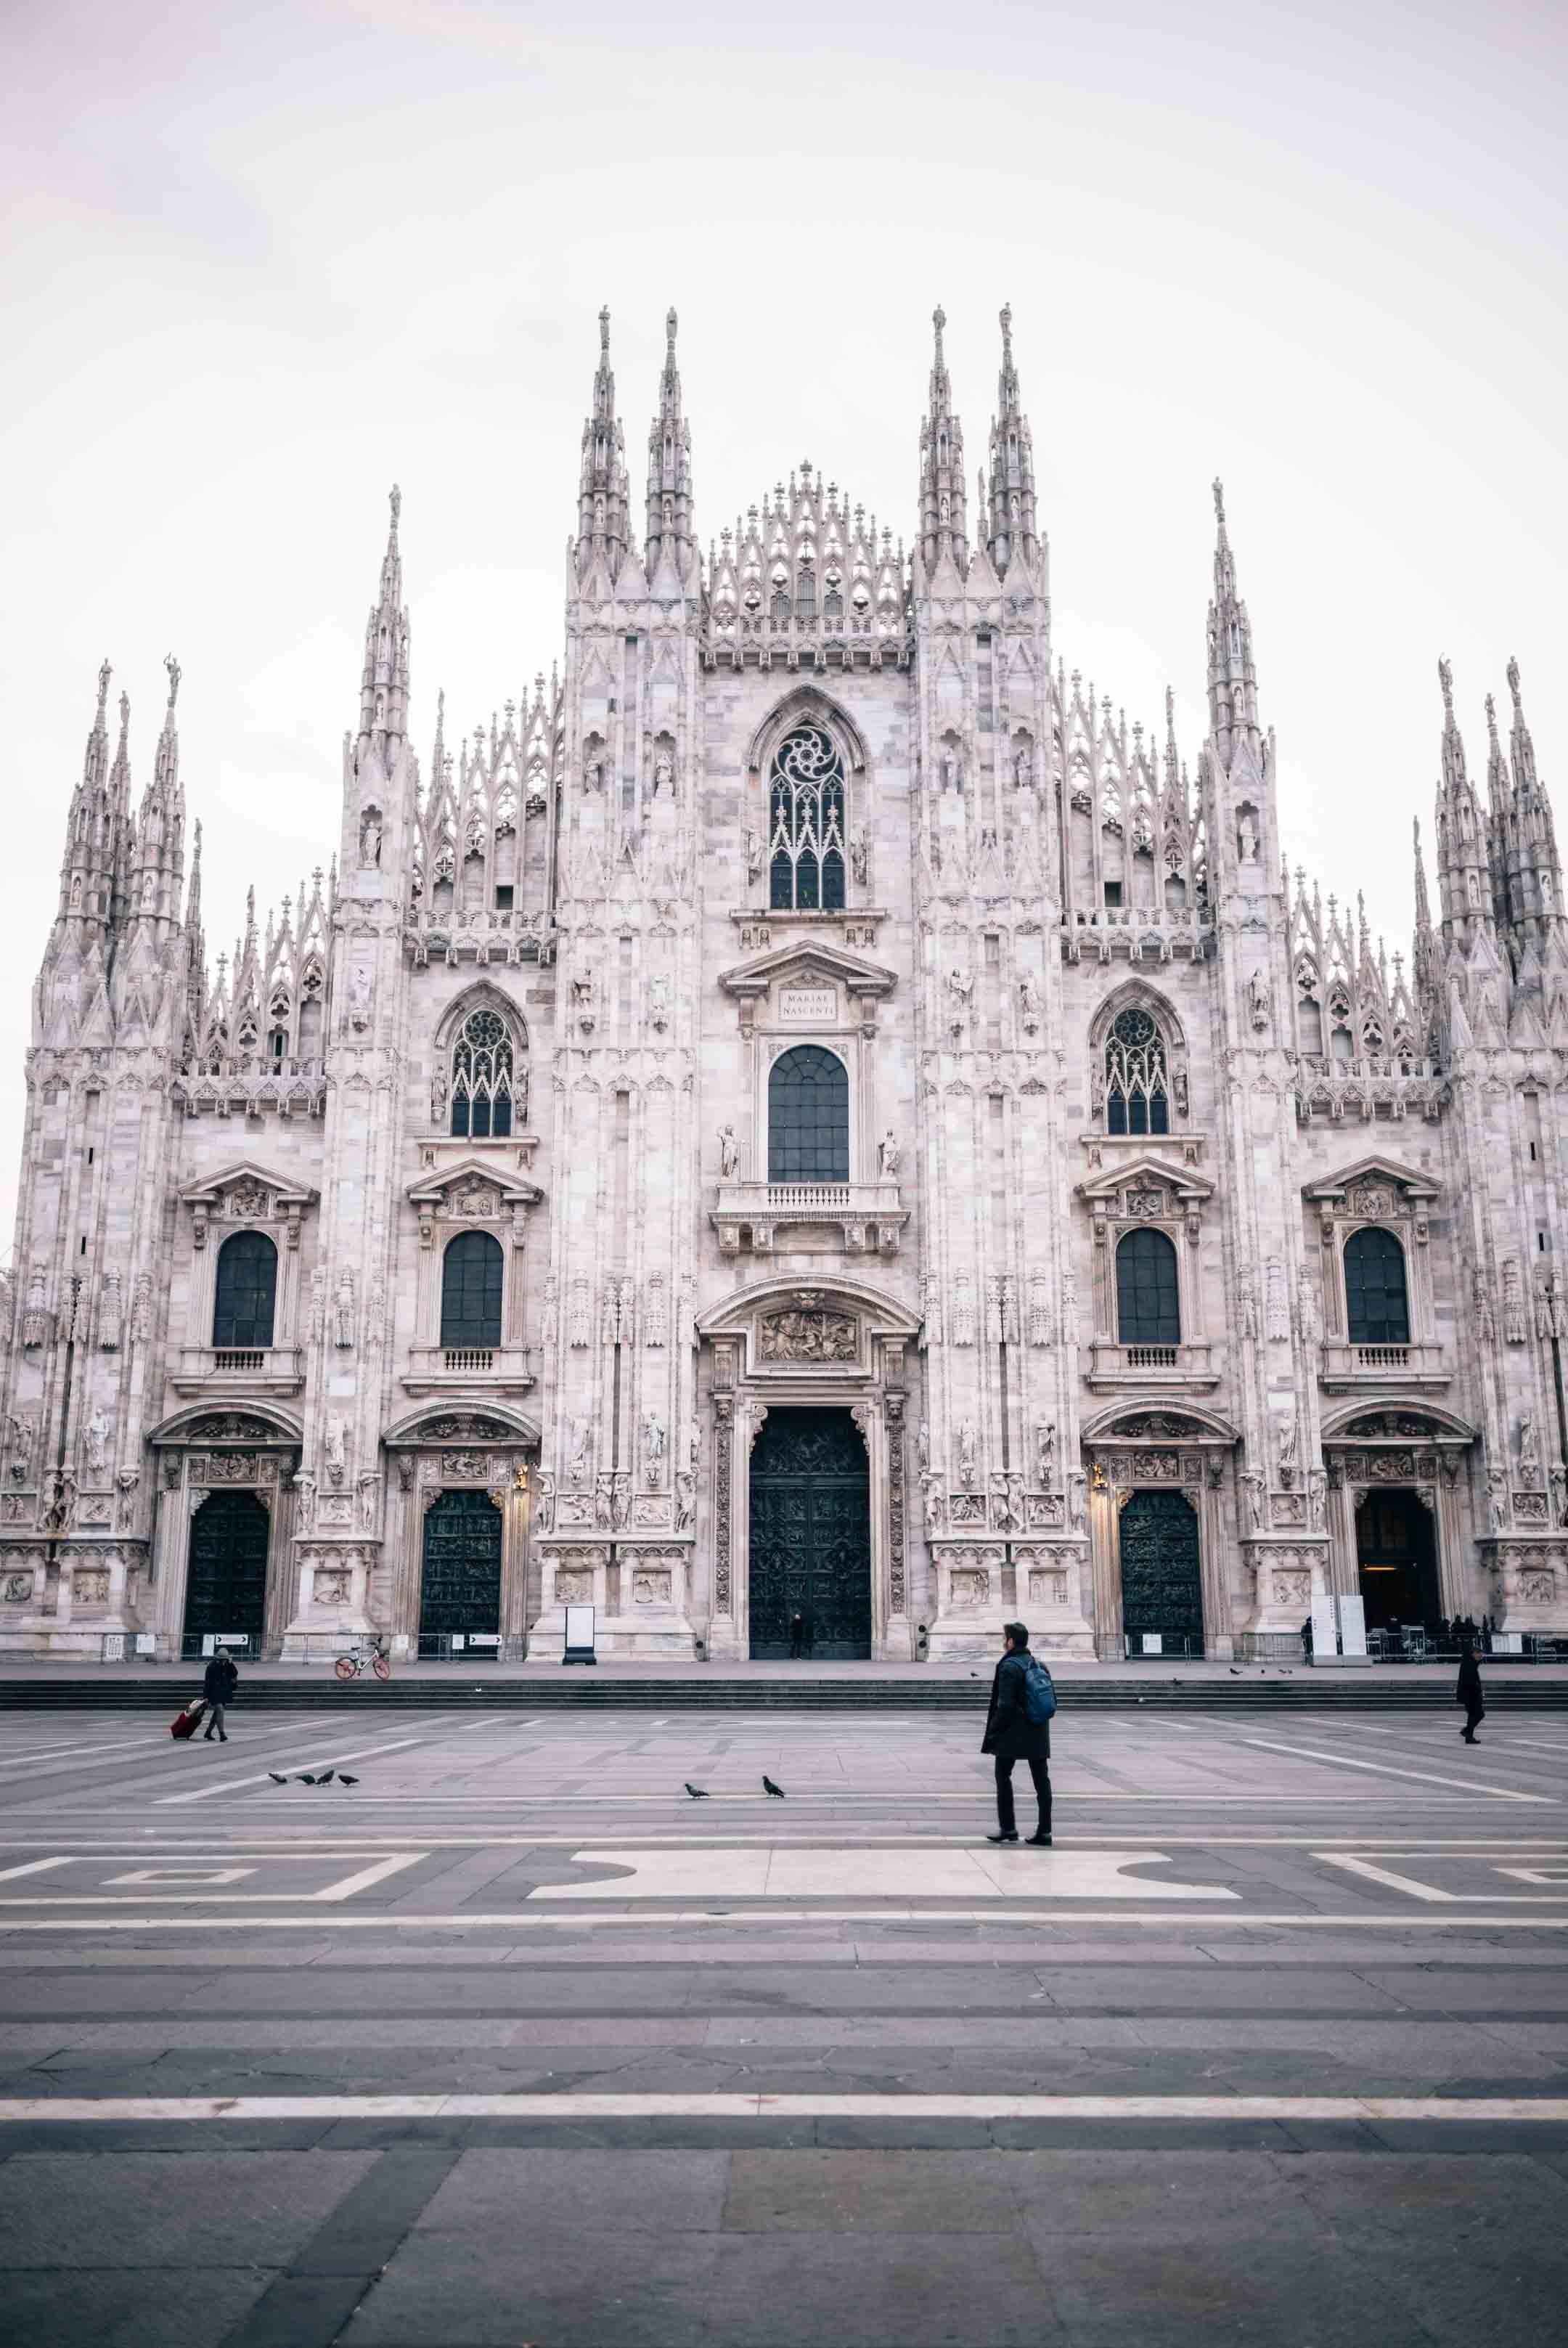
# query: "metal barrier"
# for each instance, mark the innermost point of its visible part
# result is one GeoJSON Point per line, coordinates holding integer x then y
{"type": "Point", "coordinates": [1286, 1647]}
{"type": "Point", "coordinates": [466, 1647]}
{"type": "Point", "coordinates": [1152, 1647]}
{"type": "Point", "coordinates": [200, 1646]}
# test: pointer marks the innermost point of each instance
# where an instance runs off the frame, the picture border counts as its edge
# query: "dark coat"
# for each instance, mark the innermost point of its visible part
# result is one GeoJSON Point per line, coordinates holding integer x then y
{"type": "Point", "coordinates": [1010, 1732]}
{"type": "Point", "coordinates": [218, 1681]}
{"type": "Point", "coordinates": [1468, 1690]}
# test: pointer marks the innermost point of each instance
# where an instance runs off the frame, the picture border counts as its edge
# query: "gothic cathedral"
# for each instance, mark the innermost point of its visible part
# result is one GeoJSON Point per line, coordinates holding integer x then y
{"type": "Point", "coordinates": [806, 1133]}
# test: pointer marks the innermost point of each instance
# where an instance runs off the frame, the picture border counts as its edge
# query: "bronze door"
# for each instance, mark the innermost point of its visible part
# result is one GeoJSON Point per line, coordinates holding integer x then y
{"type": "Point", "coordinates": [810, 1537]}
{"type": "Point", "coordinates": [226, 1581]}
{"type": "Point", "coordinates": [460, 1589]}
{"type": "Point", "coordinates": [1162, 1588]}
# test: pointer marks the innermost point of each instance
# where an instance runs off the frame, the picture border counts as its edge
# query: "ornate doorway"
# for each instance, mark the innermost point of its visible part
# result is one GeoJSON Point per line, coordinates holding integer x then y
{"type": "Point", "coordinates": [460, 1587]}
{"type": "Point", "coordinates": [1395, 1565]}
{"type": "Point", "coordinates": [226, 1582]}
{"type": "Point", "coordinates": [810, 1537]}
{"type": "Point", "coordinates": [1162, 1582]}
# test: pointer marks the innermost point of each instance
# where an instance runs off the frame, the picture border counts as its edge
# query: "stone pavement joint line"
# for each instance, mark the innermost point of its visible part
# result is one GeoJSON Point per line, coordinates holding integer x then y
{"type": "Point", "coordinates": [572, 2104]}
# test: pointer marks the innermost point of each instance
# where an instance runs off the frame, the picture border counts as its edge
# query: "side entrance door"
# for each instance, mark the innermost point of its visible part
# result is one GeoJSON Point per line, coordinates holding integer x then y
{"type": "Point", "coordinates": [1162, 1588]}
{"type": "Point", "coordinates": [225, 1581]}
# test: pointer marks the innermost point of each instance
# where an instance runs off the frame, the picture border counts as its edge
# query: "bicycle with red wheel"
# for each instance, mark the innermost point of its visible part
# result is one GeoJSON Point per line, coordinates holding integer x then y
{"type": "Point", "coordinates": [363, 1653]}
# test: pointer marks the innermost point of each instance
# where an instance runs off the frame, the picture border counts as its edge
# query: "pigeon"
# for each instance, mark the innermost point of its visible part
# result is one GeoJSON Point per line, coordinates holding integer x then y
{"type": "Point", "coordinates": [326, 1777]}
{"type": "Point", "coordinates": [344, 1779]}
{"type": "Point", "coordinates": [276, 1779]}
{"type": "Point", "coordinates": [697, 1793]}
{"type": "Point", "coordinates": [1234, 1673]}
{"type": "Point", "coordinates": [775, 1793]}
{"type": "Point", "coordinates": [306, 1778]}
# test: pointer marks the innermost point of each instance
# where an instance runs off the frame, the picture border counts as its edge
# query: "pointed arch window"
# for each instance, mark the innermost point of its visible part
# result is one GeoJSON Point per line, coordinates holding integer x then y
{"type": "Point", "coordinates": [1148, 1300]}
{"type": "Point", "coordinates": [247, 1292]}
{"type": "Point", "coordinates": [1376, 1301]}
{"type": "Point", "coordinates": [805, 819]}
{"type": "Point", "coordinates": [1137, 1092]}
{"type": "Point", "coordinates": [808, 1117]}
{"type": "Point", "coordinates": [482, 1079]}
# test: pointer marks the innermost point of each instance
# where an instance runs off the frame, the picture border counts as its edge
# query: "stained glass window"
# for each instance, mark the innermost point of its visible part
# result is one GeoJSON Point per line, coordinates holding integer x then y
{"type": "Point", "coordinates": [1378, 1311]}
{"type": "Point", "coordinates": [471, 1290]}
{"type": "Point", "coordinates": [247, 1288]}
{"type": "Point", "coordinates": [808, 1117]}
{"type": "Point", "coordinates": [1136, 1099]}
{"type": "Point", "coordinates": [1148, 1307]}
{"type": "Point", "coordinates": [805, 819]}
{"type": "Point", "coordinates": [482, 1079]}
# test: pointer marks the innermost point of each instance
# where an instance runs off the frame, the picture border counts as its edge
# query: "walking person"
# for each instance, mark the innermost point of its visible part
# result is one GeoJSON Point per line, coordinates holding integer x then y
{"type": "Point", "coordinates": [1467, 1692]}
{"type": "Point", "coordinates": [218, 1684]}
{"type": "Point", "coordinates": [797, 1637]}
{"type": "Point", "coordinates": [1014, 1734]}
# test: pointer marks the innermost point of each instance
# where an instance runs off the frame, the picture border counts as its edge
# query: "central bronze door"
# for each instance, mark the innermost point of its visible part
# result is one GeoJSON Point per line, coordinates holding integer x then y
{"type": "Point", "coordinates": [1162, 1585]}
{"type": "Point", "coordinates": [811, 1538]}
{"type": "Point", "coordinates": [461, 1586]}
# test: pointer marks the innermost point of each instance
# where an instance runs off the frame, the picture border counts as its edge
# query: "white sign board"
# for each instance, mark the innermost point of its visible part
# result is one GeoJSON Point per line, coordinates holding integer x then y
{"type": "Point", "coordinates": [459, 1641]}
{"type": "Point", "coordinates": [1325, 1631]}
{"type": "Point", "coordinates": [114, 1647]}
{"type": "Point", "coordinates": [580, 1630]}
{"type": "Point", "coordinates": [1353, 1624]}
{"type": "Point", "coordinates": [1154, 1643]}
{"type": "Point", "coordinates": [147, 1642]}
{"type": "Point", "coordinates": [1508, 1642]}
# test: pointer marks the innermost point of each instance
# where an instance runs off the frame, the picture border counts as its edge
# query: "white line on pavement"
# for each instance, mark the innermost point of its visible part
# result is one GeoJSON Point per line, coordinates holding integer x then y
{"type": "Point", "coordinates": [292, 1765]}
{"type": "Point", "coordinates": [576, 2105]}
{"type": "Point", "coordinates": [1042, 1911]}
{"type": "Point", "coordinates": [28, 1765]}
{"type": "Point", "coordinates": [1385, 1769]}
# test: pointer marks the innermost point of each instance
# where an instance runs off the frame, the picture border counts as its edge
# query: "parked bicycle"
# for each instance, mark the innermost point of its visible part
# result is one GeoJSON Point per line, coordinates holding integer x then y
{"type": "Point", "coordinates": [371, 1653]}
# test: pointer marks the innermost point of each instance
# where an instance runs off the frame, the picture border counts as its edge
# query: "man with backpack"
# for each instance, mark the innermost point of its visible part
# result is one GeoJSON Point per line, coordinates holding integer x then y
{"type": "Point", "coordinates": [1018, 1728]}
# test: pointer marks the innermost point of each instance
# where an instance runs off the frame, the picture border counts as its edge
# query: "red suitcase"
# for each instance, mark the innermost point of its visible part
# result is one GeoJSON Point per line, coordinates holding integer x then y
{"type": "Point", "coordinates": [185, 1724]}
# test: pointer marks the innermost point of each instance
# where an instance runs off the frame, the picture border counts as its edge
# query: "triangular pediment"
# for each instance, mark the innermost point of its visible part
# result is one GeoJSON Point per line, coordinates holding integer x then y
{"type": "Point", "coordinates": [803, 961]}
{"type": "Point", "coordinates": [1148, 1171]}
{"type": "Point", "coordinates": [1376, 1169]}
{"type": "Point", "coordinates": [247, 1176]}
{"type": "Point", "coordinates": [470, 1187]}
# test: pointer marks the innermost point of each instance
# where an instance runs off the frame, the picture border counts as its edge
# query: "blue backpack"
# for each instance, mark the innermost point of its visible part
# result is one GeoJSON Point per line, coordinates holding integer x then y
{"type": "Point", "coordinates": [1039, 1690]}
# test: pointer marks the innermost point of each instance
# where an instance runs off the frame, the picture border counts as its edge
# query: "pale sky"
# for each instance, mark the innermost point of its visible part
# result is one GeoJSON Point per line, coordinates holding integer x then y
{"type": "Point", "coordinates": [260, 261]}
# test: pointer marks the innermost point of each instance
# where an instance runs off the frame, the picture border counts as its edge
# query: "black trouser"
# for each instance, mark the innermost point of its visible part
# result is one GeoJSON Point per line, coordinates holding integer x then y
{"type": "Point", "coordinates": [1474, 1714]}
{"type": "Point", "coordinates": [1006, 1817]}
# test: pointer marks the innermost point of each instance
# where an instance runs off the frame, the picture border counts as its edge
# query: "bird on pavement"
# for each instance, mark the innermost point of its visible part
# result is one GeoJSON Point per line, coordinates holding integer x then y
{"type": "Point", "coordinates": [774, 1793]}
{"type": "Point", "coordinates": [698, 1793]}
{"type": "Point", "coordinates": [326, 1777]}
{"type": "Point", "coordinates": [276, 1779]}
{"type": "Point", "coordinates": [1234, 1673]}
{"type": "Point", "coordinates": [344, 1779]}
{"type": "Point", "coordinates": [306, 1778]}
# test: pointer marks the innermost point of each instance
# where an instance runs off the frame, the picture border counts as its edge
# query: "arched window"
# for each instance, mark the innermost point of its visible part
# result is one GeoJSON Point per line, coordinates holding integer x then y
{"type": "Point", "coordinates": [1377, 1306]}
{"type": "Point", "coordinates": [1136, 1097]}
{"type": "Point", "coordinates": [246, 1290]}
{"type": "Point", "coordinates": [482, 1079]}
{"type": "Point", "coordinates": [1148, 1307]}
{"type": "Point", "coordinates": [808, 1117]}
{"type": "Point", "coordinates": [471, 1290]}
{"type": "Point", "coordinates": [805, 823]}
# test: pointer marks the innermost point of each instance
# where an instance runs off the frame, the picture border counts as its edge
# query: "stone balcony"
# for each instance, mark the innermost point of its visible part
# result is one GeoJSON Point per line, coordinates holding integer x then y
{"type": "Point", "coordinates": [213, 1370]}
{"type": "Point", "coordinates": [867, 1216]}
{"type": "Point", "coordinates": [468, 1370]}
{"type": "Point", "coordinates": [1151, 1369]}
{"type": "Point", "coordinates": [1415, 1367]}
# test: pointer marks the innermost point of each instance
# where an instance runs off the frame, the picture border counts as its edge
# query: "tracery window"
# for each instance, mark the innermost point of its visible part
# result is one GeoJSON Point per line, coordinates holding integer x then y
{"type": "Point", "coordinates": [471, 1275]}
{"type": "Point", "coordinates": [808, 1117]}
{"type": "Point", "coordinates": [482, 1077]}
{"type": "Point", "coordinates": [246, 1290]}
{"type": "Point", "coordinates": [1137, 1099]}
{"type": "Point", "coordinates": [805, 819]}
{"type": "Point", "coordinates": [1376, 1304]}
{"type": "Point", "coordinates": [1148, 1302]}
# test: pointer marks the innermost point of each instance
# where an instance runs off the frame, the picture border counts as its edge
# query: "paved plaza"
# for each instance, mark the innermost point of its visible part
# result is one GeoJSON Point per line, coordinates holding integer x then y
{"type": "Point", "coordinates": [511, 2041]}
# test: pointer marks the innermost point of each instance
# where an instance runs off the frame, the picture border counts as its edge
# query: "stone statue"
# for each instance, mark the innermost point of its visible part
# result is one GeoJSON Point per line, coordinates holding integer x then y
{"type": "Point", "coordinates": [576, 1468]}
{"type": "Point", "coordinates": [438, 1095]}
{"type": "Point", "coordinates": [693, 1444]}
{"type": "Point", "coordinates": [369, 1492]}
{"type": "Point", "coordinates": [343, 1309]}
{"type": "Point", "coordinates": [1077, 1507]}
{"type": "Point", "coordinates": [1528, 1451]}
{"type": "Point", "coordinates": [753, 855]}
{"type": "Point", "coordinates": [887, 1155]}
{"type": "Point", "coordinates": [950, 770]}
{"type": "Point", "coordinates": [729, 1153]}
{"type": "Point", "coordinates": [305, 1501]}
{"type": "Point", "coordinates": [96, 1435]}
{"type": "Point", "coordinates": [1257, 999]}
{"type": "Point", "coordinates": [584, 996]}
{"type": "Point", "coordinates": [659, 1002]}
{"type": "Point", "coordinates": [21, 1450]}
{"type": "Point", "coordinates": [663, 774]}
{"type": "Point", "coordinates": [1246, 837]}
{"type": "Point", "coordinates": [109, 1313]}
{"type": "Point", "coordinates": [969, 1453]}
{"type": "Point", "coordinates": [336, 1449]}
{"type": "Point", "coordinates": [922, 1446]}
{"type": "Point", "coordinates": [1560, 1494]}
{"type": "Point", "coordinates": [1045, 1454]}
{"type": "Point", "coordinates": [860, 859]}
{"type": "Point", "coordinates": [652, 1449]}
{"type": "Point", "coordinates": [1028, 1000]}
{"type": "Point", "coordinates": [545, 1500]}
{"type": "Point", "coordinates": [370, 840]}
{"type": "Point", "coordinates": [36, 1318]}
{"type": "Point", "coordinates": [936, 1505]}
{"type": "Point", "coordinates": [359, 998]}
{"type": "Point", "coordinates": [686, 1499]}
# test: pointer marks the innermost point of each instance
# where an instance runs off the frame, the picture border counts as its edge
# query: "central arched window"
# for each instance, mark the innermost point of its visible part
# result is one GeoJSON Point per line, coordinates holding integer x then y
{"type": "Point", "coordinates": [808, 1117]}
{"type": "Point", "coordinates": [1377, 1306]}
{"type": "Point", "coordinates": [471, 1290]}
{"type": "Point", "coordinates": [1136, 1097]}
{"type": "Point", "coordinates": [482, 1077]}
{"type": "Point", "coordinates": [246, 1290]}
{"type": "Point", "coordinates": [805, 823]}
{"type": "Point", "coordinates": [1148, 1304]}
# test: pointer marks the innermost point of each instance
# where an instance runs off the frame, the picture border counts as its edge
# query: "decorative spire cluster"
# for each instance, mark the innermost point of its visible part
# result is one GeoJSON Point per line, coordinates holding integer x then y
{"type": "Point", "coordinates": [1233, 679]}
{"type": "Point", "coordinates": [603, 515]}
{"type": "Point", "coordinates": [1465, 886]}
{"type": "Point", "coordinates": [669, 532]}
{"type": "Point", "coordinates": [384, 680]}
{"type": "Point", "coordinates": [943, 526]}
{"type": "Point", "coordinates": [1009, 499]}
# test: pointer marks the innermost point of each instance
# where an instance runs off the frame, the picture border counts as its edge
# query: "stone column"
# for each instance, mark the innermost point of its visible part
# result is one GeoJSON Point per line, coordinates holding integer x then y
{"type": "Point", "coordinates": [724, 1634]}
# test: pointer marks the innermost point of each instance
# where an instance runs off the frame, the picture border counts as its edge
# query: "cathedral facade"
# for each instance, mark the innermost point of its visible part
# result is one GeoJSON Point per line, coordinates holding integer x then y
{"type": "Point", "coordinates": [805, 1131]}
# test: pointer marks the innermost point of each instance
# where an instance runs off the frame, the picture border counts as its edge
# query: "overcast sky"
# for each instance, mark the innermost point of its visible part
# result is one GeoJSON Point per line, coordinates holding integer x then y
{"type": "Point", "coordinates": [260, 261]}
